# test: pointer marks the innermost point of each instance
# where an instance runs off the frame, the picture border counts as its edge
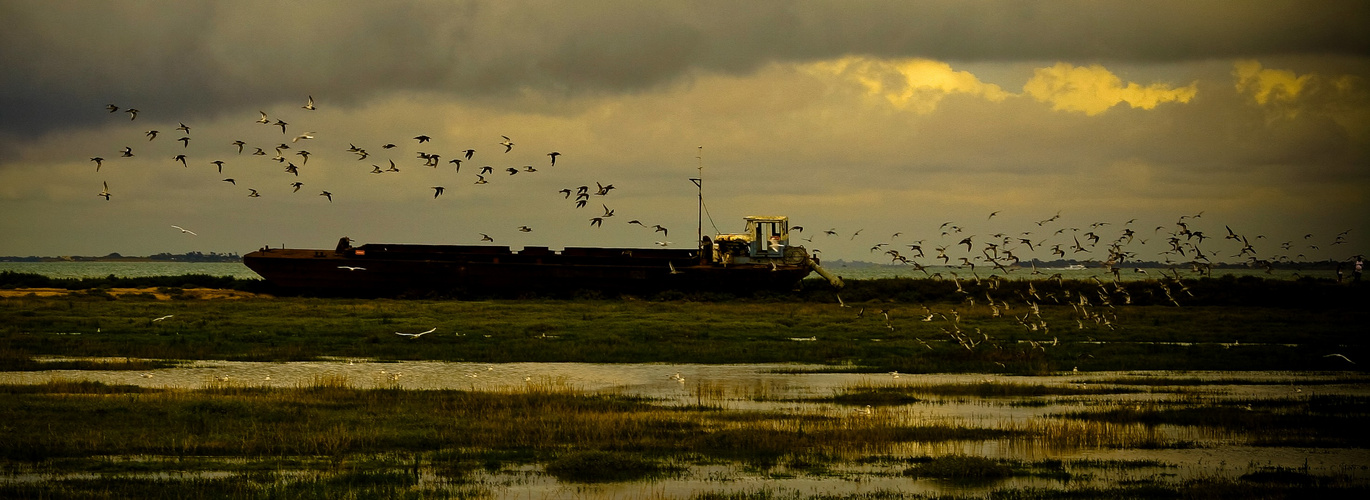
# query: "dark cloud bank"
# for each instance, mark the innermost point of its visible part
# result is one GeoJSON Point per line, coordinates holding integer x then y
{"type": "Point", "coordinates": [191, 59]}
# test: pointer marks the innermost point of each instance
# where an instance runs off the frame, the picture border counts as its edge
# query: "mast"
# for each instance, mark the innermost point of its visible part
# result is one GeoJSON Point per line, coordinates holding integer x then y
{"type": "Point", "coordinates": [699, 182]}
{"type": "Point", "coordinates": [699, 227]}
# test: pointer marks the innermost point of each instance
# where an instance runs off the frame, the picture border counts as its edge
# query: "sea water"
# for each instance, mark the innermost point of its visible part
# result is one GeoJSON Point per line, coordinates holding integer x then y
{"type": "Point", "coordinates": [129, 269]}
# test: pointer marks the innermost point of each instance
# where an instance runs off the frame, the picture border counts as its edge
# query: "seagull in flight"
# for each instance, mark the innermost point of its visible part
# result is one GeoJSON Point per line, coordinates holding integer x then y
{"type": "Point", "coordinates": [309, 105]}
{"type": "Point", "coordinates": [508, 144]}
{"type": "Point", "coordinates": [263, 120]}
{"type": "Point", "coordinates": [416, 335]}
{"type": "Point", "coordinates": [1334, 355]}
{"type": "Point", "coordinates": [105, 192]}
{"type": "Point", "coordinates": [352, 268]}
{"type": "Point", "coordinates": [184, 230]}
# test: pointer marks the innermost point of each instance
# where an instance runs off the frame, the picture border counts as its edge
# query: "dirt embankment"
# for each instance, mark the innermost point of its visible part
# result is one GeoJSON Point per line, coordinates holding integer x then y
{"type": "Point", "coordinates": [159, 294]}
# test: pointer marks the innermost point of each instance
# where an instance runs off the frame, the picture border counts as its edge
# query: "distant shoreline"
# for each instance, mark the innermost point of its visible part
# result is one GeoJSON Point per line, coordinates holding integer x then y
{"type": "Point", "coordinates": [114, 257]}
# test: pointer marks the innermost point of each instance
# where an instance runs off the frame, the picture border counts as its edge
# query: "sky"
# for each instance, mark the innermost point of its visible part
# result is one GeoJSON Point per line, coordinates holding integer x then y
{"type": "Point", "coordinates": [882, 122]}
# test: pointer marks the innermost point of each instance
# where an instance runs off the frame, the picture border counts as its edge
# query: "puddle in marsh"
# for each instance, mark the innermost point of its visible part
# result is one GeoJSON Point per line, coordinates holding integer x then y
{"type": "Point", "coordinates": [799, 390]}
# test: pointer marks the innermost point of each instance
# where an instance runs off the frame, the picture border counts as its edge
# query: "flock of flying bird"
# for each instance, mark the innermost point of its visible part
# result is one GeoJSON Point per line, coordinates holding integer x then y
{"type": "Point", "coordinates": [286, 153]}
{"type": "Point", "coordinates": [1112, 249]}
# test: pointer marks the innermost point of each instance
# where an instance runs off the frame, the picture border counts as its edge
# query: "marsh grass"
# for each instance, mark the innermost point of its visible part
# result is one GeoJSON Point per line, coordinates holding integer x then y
{"type": "Point", "coordinates": [895, 394]}
{"type": "Point", "coordinates": [602, 466]}
{"type": "Point", "coordinates": [961, 468]}
{"type": "Point", "coordinates": [1316, 421]}
{"type": "Point", "coordinates": [752, 330]}
{"type": "Point", "coordinates": [337, 437]}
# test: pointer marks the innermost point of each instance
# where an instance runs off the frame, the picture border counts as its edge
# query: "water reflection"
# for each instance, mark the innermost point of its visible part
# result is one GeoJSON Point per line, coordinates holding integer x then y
{"type": "Point", "coordinates": [789, 389]}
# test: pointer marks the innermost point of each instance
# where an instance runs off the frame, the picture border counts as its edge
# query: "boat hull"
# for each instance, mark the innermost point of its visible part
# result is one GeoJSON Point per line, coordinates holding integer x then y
{"type": "Point", "coordinates": [394, 269]}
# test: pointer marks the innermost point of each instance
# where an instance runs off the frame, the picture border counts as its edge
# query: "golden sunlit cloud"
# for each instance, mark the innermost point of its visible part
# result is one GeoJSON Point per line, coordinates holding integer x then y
{"type": "Point", "coordinates": [1267, 85]}
{"type": "Point", "coordinates": [1344, 99]}
{"type": "Point", "coordinates": [1093, 89]}
{"type": "Point", "coordinates": [916, 85]}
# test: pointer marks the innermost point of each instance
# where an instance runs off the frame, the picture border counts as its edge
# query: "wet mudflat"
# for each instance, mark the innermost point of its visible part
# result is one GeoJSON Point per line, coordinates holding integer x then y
{"type": "Point", "coordinates": [906, 388]}
{"type": "Point", "coordinates": [571, 430]}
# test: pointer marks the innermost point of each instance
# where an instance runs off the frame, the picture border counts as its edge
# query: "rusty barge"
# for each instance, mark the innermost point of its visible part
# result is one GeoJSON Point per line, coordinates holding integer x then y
{"type": "Point", "coordinates": [760, 258]}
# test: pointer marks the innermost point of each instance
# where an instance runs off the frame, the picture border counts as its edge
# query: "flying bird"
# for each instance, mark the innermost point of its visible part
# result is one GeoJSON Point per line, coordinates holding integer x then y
{"type": "Point", "coordinates": [127, 152]}
{"type": "Point", "coordinates": [253, 194]}
{"type": "Point", "coordinates": [220, 164]}
{"type": "Point", "coordinates": [328, 195]}
{"type": "Point", "coordinates": [525, 229]}
{"type": "Point", "coordinates": [437, 191]}
{"type": "Point", "coordinates": [231, 181]}
{"type": "Point", "coordinates": [184, 230]}
{"type": "Point", "coordinates": [105, 192]}
{"type": "Point", "coordinates": [112, 108]}
{"type": "Point", "coordinates": [240, 145]}
{"type": "Point", "coordinates": [180, 158]}
{"type": "Point", "coordinates": [185, 142]}
{"type": "Point", "coordinates": [422, 139]}
{"type": "Point", "coordinates": [508, 145]}
{"type": "Point", "coordinates": [263, 120]}
{"type": "Point", "coordinates": [1343, 357]}
{"type": "Point", "coordinates": [184, 128]}
{"type": "Point", "coordinates": [486, 237]}
{"type": "Point", "coordinates": [661, 230]}
{"type": "Point", "coordinates": [151, 134]}
{"type": "Point", "coordinates": [132, 113]}
{"type": "Point", "coordinates": [297, 185]}
{"type": "Point", "coordinates": [554, 156]}
{"type": "Point", "coordinates": [309, 105]}
{"type": "Point", "coordinates": [307, 135]}
{"type": "Point", "coordinates": [469, 152]}
{"type": "Point", "coordinates": [98, 162]}
{"type": "Point", "coordinates": [416, 335]}
{"type": "Point", "coordinates": [282, 124]}
{"type": "Point", "coordinates": [352, 268]}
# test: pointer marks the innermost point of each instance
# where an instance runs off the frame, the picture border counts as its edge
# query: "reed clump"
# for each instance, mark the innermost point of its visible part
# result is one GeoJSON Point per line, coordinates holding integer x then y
{"type": "Point", "coordinates": [961, 468]}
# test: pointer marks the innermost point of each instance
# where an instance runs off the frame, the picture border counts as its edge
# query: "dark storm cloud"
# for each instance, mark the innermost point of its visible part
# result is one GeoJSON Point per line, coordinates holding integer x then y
{"type": "Point", "coordinates": [188, 59]}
